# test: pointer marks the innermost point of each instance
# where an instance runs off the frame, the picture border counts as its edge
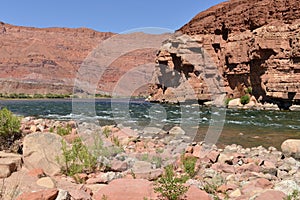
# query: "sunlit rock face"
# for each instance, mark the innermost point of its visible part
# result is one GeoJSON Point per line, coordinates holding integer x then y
{"type": "Point", "coordinates": [246, 43]}
{"type": "Point", "coordinates": [48, 60]}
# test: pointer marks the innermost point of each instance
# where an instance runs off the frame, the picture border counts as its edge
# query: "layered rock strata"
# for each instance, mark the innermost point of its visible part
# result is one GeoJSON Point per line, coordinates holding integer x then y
{"type": "Point", "coordinates": [252, 43]}
{"type": "Point", "coordinates": [48, 60]}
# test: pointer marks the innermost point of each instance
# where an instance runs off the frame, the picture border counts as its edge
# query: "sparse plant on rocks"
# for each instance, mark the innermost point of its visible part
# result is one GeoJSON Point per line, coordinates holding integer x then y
{"type": "Point", "coordinates": [51, 130]}
{"type": "Point", "coordinates": [106, 132]}
{"type": "Point", "coordinates": [227, 100]}
{"type": "Point", "coordinates": [170, 186]}
{"type": "Point", "coordinates": [159, 150]}
{"type": "Point", "coordinates": [211, 186]}
{"type": "Point", "coordinates": [62, 131]}
{"type": "Point", "coordinates": [104, 197]}
{"type": "Point", "coordinates": [245, 99]}
{"type": "Point", "coordinates": [77, 159]}
{"type": "Point", "coordinates": [157, 161]}
{"type": "Point", "coordinates": [248, 90]}
{"type": "Point", "coordinates": [116, 141]}
{"type": "Point", "coordinates": [189, 164]}
{"type": "Point", "coordinates": [294, 196]}
{"type": "Point", "coordinates": [99, 150]}
{"type": "Point", "coordinates": [145, 157]}
{"type": "Point", "coordinates": [132, 174]}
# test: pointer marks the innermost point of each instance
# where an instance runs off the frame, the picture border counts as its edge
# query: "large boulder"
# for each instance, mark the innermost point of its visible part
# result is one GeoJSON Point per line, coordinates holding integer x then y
{"type": "Point", "coordinates": [291, 147]}
{"type": "Point", "coordinates": [235, 103]}
{"type": "Point", "coordinates": [49, 194]}
{"type": "Point", "coordinates": [41, 150]}
{"type": "Point", "coordinates": [176, 130]}
{"type": "Point", "coordinates": [127, 189]}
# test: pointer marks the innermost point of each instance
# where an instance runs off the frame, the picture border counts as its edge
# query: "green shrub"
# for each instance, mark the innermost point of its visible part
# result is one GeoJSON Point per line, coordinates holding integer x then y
{"type": "Point", "coordinates": [104, 197]}
{"type": "Point", "coordinates": [189, 164]}
{"type": "Point", "coordinates": [211, 186]}
{"type": "Point", "coordinates": [51, 130]}
{"type": "Point", "coordinates": [294, 196]}
{"type": "Point", "coordinates": [245, 99]}
{"type": "Point", "coordinates": [38, 96]}
{"type": "Point", "coordinates": [227, 101]}
{"type": "Point", "coordinates": [116, 141]}
{"type": "Point", "coordinates": [169, 186]}
{"type": "Point", "coordinates": [77, 159]}
{"type": "Point", "coordinates": [145, 157]}
{"type": "Point", "coordinates": [248, 90]}
{"type": "Point", "coordinates": [99, 150]}
{"type": "Point", "coordinates": [106, 132]}
{"type": "Point", "coordinates": [55, 96]}
{"type": "Point", "coordinates": [157, 161]}
{"type": "Point", "coordinates": [9, 124]}
{"type": "Point", "coordinates": [13, 96]}
{"type": "Point", "coordinates": [64, 130]}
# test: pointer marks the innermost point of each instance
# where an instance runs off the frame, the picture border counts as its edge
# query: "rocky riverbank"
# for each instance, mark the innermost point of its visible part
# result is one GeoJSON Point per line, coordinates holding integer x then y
{"type": "Point", "coordinates": [129, 163]}
{"type": "Point", "coordinates": [254, 104]}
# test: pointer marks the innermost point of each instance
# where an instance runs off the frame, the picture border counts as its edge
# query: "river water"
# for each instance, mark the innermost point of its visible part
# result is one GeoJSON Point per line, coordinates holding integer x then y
{"type": "Point", "coordinates": [245, 127]}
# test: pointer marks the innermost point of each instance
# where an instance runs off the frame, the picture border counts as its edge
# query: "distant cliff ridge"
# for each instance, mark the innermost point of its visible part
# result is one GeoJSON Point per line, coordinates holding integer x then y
{"type": "Point", "coordinates": [47, 60]}
{"type": "Point", "coordinates": [253, 44]}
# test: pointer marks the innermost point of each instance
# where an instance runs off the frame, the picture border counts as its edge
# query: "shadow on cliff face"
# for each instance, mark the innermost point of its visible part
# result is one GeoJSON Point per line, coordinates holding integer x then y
{"type": "Point", "coordinates": [256, 71]}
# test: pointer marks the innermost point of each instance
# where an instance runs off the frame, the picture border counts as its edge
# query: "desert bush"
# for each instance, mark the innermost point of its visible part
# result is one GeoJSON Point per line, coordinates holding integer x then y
{"type": "Point", "coordinates": [170, 186]}
{"type": "Point", "coordinates": [38, 96]}
{"type": "Point", "coordinates": [245, 99]}
{"type": "Point", "coordinates": [227, 101]}
{"type": "Point", "coordinates": [77, 159]}
{"type": "Point", "coordinates": [9, 124]}
{"type": "Point", "coordinates": [106, 132]}
{"type": "Point", "coordinates": [189, 164]}
{"type": "Point", "coordinates": [55, 96]}
{"type": "Point", "coordinates": [155, 160]}
{"type": "Point", "coordinates": [99, 150]}
{"type": "Point", "coordinates": [64, 130]}
{"type": "Point", "coordinates": [248, 90]}
{"type": "Point", "coordinates": [116, 141]}
{"type": "Point", "coordinates": [13, 96]}
{"type": "Point", "coordinates": [294, 196]}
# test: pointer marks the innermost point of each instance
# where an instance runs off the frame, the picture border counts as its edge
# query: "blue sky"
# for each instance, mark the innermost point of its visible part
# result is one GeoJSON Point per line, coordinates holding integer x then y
{"type": "Point", "coordinates": [103, 15]}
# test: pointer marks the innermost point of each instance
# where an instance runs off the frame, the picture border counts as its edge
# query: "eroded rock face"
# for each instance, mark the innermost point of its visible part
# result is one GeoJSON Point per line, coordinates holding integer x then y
{"type": "Point", "coordinates": [42, 150]}
{"type": "Point", "coordinates": [47, 60]}
{"type": "Point", "coordinates": [43, 61]}
{"type": "Point", "coordinates": [251, 43]}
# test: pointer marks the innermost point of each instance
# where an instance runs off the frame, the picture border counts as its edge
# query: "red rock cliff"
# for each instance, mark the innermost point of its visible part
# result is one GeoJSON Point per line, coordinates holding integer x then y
{"type": "Point", "coordinates": [251, 43]}
{"type": "Point", "coordinates": [47, 60]}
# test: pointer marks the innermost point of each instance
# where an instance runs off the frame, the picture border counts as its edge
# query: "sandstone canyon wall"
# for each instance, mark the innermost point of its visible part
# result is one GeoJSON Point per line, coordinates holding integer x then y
{"type": "Point", "coordinates": [47, 60]}
{"type": "Point", "coordinates": [43, 61]}
{"type": "Point", "coordinates": [251, 43]}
